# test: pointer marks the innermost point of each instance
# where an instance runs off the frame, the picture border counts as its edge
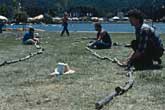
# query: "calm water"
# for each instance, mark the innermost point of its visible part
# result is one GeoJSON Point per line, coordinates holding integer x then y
{"type": "Point", "coordinates": [88, 27]}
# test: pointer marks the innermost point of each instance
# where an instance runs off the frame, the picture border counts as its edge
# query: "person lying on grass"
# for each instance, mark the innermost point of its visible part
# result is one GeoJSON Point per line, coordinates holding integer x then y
{"type": "Point", "coordinates": [148, 46]}
{"type": "Point", "coordinates": [103, 39]}
{"type": "Point", "coordinates": [29, 37]}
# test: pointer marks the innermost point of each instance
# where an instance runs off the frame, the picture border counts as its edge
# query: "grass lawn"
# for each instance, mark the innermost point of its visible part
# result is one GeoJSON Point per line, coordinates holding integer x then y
{"type": "Point", "coordinates": [26, 85]}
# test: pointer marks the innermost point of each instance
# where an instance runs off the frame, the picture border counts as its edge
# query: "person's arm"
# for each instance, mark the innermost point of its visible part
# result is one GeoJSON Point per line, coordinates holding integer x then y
{"type": "Point", "coordinates": [144, 37]}
{"type": "Point", "coordinates": [136, 55]}
{"type": "Point", "coordinates": [141, 46]}
{"type": "Point", "coordinates": [132, 57]}
{"type": "Point", "coordinates": [101, 35]}
{"type": "Point", "coordinates": [99, 38]}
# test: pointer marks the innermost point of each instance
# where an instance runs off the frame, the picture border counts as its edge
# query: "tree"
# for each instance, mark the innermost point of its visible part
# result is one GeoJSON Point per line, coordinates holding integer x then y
{"type": "Point", "coordinates": [21, 17]}
{"type": "Point", "coordinates": [3, 9]}
{"type": "Point", "coordinates": [64, 4]}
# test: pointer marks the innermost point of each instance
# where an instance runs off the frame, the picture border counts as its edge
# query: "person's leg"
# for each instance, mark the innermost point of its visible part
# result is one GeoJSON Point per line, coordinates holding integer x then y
{"type": "Point", "coordinates": [0, 29]}
{"type": "Point", "coordinates": [142, 63]}
{"type": "Point", "coordinates": [36, 40]}
{"type": "Point", "coordinates": [92, 45]}
{"type": "Point", "coordinates": [134, 44]}
{"type": "Point", "coordinates": [29, 42]}
{"type": "Point", "coordinates": [63, 30]}
{"type": "Point", "coordinates": [153, 52]}
{"type": "Point", "coordinates": [157, 54]}
{"type": "Point", "coordinates": [67, 31]}
{"type": "Point", "coordinates": [99, 45]}
{"type": "Point", "coordinates": [103, 45]}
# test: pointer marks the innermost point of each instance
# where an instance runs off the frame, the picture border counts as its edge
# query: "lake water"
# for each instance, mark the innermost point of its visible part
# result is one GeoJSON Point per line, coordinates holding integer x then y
{"type": "Point", "coordinates": [89, 27]}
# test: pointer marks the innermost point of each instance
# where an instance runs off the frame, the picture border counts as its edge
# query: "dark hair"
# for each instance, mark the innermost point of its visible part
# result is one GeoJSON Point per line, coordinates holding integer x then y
{"type": "Point", "coordinates": [31, 29]}
{"type": "Point", "coordinates": [98, 25]}
{"type": "Point", "coordinates": [136, 14]}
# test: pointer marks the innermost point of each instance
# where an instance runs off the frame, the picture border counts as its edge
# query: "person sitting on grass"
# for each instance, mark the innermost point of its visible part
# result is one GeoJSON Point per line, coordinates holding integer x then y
{"type": "Point", "coordinates": [103, 39]}
{"type": "Point", "coordinates": [148, 46]}
{"type": "Point", "coordinates": [29, 37]}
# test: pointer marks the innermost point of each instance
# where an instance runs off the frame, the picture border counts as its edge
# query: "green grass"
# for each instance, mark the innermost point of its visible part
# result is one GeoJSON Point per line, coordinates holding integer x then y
{"type": "Point", "coordinates": [27, 86]}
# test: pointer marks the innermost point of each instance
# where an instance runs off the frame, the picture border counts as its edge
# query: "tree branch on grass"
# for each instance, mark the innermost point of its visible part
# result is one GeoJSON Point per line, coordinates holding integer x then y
{"type": "Point", "coordinates": [118, 90]}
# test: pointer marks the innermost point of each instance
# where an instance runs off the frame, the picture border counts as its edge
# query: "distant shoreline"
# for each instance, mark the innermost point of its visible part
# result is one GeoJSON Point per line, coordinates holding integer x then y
{"type": "Point", "coordinates": [82, 27]}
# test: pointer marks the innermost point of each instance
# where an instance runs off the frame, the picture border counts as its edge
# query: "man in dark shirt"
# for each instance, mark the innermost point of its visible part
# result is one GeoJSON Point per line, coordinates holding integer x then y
{"type": "Point", "coordinates": [103, 39]}
{"type": "Point", "coordinates": [148, 46]}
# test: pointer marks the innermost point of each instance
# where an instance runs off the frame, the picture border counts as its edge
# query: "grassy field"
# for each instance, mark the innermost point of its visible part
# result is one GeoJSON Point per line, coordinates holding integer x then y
{"type": "Point", "coordinates": [27, 86]}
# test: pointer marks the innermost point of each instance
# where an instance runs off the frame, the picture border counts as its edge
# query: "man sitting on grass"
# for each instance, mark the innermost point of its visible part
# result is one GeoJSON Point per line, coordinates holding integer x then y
{"type": "Point", "coordinates": [148, 46]}
{"type": "Point", "coordinates": [29, 38]}
{"type": "Point", "coordinates": [103, 39]}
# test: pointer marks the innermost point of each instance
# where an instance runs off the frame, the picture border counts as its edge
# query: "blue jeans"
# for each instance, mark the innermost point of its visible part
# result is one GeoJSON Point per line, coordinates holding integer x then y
{"type": "Point", "coordinates": [100, 45]}
{"type": "Point", "coordinates": [65, 28]}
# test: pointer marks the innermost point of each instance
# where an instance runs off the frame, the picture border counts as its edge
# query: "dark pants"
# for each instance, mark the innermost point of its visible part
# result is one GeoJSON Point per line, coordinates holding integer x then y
{"type": "Point", "coordinates": [100, 45]}
{"type": "Point", "coordinates": [65, 28]}
{"type": "Point", "coordinates": [1, 25]}
{"type": "Point", "coordinates": [0, 29]}
{"type": "Point", "coordinates": [151, 53]}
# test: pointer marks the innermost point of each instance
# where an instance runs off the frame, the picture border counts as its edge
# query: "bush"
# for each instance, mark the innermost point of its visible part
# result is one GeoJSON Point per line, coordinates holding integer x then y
{"type": "Point", "coordinates": [21, 17]}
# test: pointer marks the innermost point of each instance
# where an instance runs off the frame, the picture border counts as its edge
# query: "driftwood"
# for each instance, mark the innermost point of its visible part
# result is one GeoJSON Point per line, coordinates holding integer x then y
{"type": "Point", "coordinates": [113, 60]}
{"type": "Point", "coordinates": [118, 90]}
{"type": "Point", "coordinates": [40, 51]}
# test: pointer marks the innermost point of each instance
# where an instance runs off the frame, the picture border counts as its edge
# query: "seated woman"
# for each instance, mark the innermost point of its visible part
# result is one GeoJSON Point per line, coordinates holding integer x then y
{"type": "Point", "coordinates": [29, 38]}
{"type": "Point", "coordinates": [103, 39]}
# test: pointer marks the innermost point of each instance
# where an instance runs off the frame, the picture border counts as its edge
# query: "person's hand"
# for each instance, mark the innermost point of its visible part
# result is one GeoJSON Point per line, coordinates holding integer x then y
{"type": "Point", "coordinates": [125, 63]}
{"type": "Point", "coordinates": [136, 55]}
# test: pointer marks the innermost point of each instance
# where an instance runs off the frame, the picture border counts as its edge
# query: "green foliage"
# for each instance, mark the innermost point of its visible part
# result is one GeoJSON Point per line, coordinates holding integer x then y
{"type": "Point", "coordinates": [109, 14]}
{"type": "Point", "coordinates": [3, 9]}
{"type": "Point", "coordinates": [151, 8]}
{"type": "Point", "coordinates": [113, 6]}
{"type": "Point", "coordinates": [47, 19]}
{"type": "Point", "coordinates": [14, 3]}
{"type": "Point", "coordinates": [21, 16]}
{"type": "Point", "coordinates": [64, 3]}
{"type": "Point", "coordinates": [52, 12]}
